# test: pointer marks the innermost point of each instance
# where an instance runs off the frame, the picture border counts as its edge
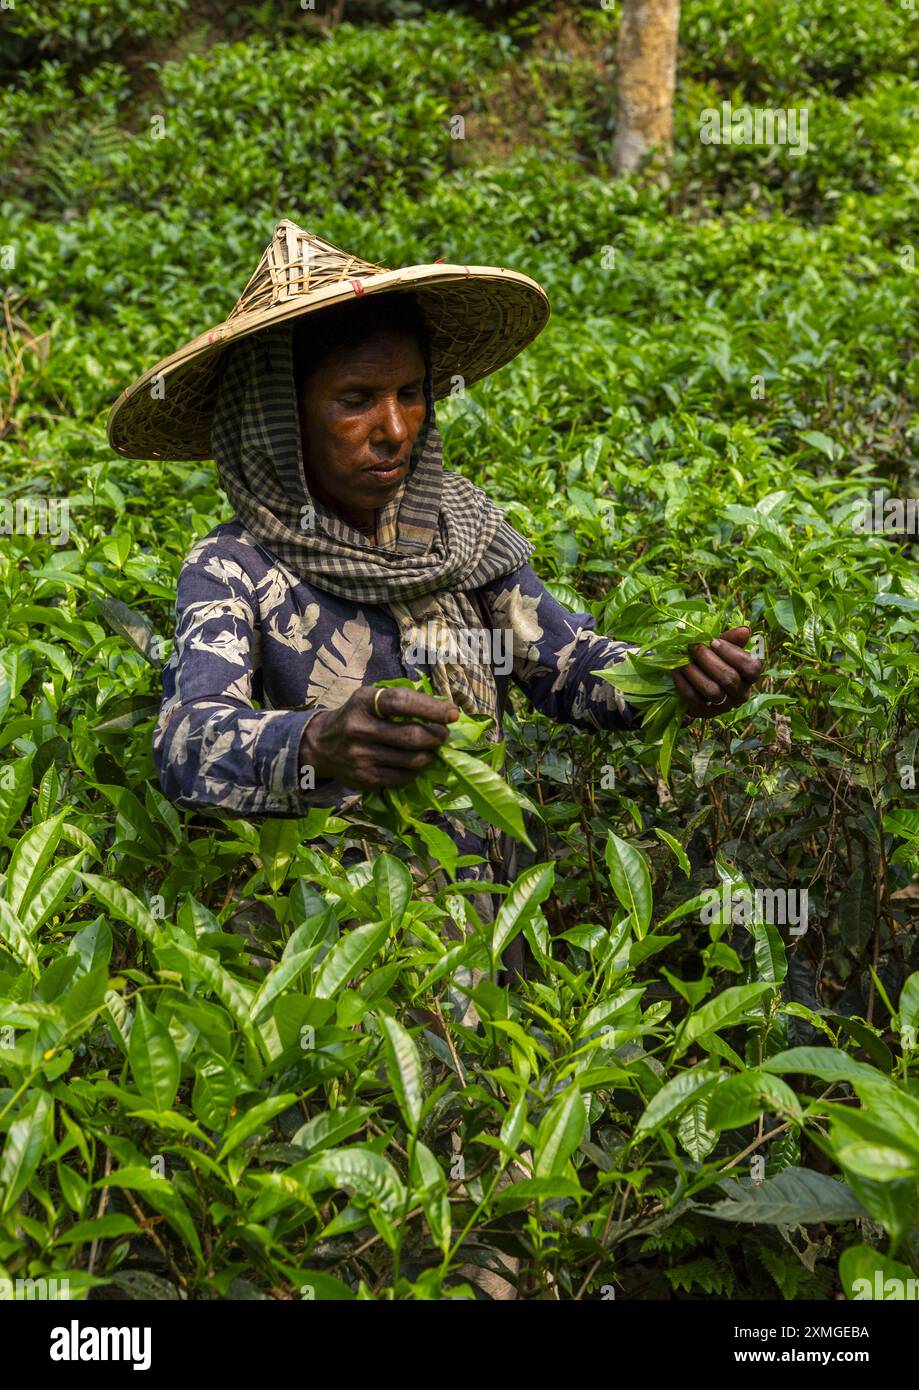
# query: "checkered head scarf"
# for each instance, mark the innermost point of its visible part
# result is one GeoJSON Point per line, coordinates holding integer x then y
{"type": "Point", "coordinates": [438, 540]}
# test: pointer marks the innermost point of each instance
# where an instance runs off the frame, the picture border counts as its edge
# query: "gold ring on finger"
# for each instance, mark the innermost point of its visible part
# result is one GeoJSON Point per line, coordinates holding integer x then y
{"type": "Point", "coordinates": [376, 702]}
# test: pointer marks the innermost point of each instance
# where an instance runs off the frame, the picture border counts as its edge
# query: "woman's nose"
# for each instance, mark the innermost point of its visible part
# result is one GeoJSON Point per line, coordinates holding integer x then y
{"type": "Point", "coordinates": [392, 420]}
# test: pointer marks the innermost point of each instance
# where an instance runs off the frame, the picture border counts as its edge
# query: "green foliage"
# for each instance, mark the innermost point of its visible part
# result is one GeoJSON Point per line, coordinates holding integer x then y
{"type": "Point", "coordinates": [235, 1063]}
{"type": "Point", "coordinates": [457, 779]}
{"type": "Point", "coordinates": [829, 45]}
{"type": "Point", "coordinates": [644, 676]}
{"type": "Point", "coordinates": [83, 29]}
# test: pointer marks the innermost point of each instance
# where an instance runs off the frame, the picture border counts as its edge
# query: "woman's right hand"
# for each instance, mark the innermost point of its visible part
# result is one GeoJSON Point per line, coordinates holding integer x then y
{"type": "Point", "coordinates": [355, 747]}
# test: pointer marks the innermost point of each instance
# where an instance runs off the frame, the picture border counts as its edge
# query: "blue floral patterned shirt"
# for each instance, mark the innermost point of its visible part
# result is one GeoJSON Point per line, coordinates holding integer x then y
{"type": "Point", "coordinates": [258, 652]}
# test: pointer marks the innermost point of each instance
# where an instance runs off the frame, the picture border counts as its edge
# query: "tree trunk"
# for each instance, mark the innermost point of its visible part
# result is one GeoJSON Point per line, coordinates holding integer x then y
{"type": "Point", "coordinates": [646, 77]}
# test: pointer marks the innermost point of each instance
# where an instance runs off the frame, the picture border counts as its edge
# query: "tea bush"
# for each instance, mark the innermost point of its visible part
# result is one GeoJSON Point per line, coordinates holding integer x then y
{"type": "Point", "coordinates": [79, 32]}
{"type": "Point", "coordinates": [219, 1074]}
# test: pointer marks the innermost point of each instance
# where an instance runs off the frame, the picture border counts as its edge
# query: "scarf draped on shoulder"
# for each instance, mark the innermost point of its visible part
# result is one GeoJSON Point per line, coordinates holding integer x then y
{"type": "Point", "coordinates": [438, 540]}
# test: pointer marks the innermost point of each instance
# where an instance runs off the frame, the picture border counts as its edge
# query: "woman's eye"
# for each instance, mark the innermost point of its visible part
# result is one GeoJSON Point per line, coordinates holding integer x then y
{"type": "Point", "coordinates": [355, 402]}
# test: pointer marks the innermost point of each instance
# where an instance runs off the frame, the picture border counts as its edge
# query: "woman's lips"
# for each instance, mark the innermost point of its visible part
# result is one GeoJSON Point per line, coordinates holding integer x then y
{"type": "Point", "coordinates": [387, 473]}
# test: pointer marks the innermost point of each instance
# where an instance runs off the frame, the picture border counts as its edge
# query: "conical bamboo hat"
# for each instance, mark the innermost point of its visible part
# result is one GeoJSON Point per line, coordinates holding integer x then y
{"type": "Point", "coordinates": [478, 318]}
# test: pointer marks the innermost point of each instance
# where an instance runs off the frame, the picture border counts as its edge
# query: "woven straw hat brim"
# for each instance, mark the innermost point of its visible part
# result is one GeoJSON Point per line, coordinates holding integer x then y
{"type": "Point", "coordinates": [478, 318]}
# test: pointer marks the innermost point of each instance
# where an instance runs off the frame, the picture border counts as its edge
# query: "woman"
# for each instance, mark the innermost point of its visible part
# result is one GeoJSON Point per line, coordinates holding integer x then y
{"type": "Point", "coordinates": [354, 557]}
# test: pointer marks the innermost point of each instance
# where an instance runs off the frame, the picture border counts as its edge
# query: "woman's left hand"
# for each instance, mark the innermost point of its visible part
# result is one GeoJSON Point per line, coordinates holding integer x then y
{"type": "Point", "coordinates": [718, 677]}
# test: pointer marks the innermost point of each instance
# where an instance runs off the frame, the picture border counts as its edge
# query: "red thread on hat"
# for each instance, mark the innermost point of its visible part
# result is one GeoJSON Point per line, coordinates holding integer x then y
{"type": "Point", "coordinates": [466, 268]}
{"type": "Point", "coordinates": [438, 261]}
{"type": "Point", "coordinates": [211, 337]}
{"type": "Point", "coordinates": [357, 287]}
{"type": "Point", "coordinates": [125, 390]}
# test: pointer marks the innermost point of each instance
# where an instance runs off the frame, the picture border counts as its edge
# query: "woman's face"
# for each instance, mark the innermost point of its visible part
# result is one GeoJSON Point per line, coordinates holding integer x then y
{"type": "Point", "coordinates": [360, 413]}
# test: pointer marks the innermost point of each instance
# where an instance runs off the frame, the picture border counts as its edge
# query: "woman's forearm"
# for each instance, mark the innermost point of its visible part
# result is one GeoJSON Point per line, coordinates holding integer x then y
{"type": "Point", "coordinates": [238, 761]}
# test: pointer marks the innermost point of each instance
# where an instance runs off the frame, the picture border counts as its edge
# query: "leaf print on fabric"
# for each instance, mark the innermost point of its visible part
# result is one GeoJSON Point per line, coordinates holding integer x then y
{"type": "Point", "coordinates": [528, 671]}
{"type": "Point", "coordinates": [562, 663]}
{"type": "Point", "coordinates": [207, 610]}
{"type": "Point", "coordinates": [565, 655]}
{"type": "Point", "coordinates": [295, 634]}
{"type": "Point", "coordinates": [255, 734]}
{"type": "Point", "coordinates": [600, 697]}
{"type": "Point", "coordinates": [196, 557]}
{"type": "Point", "coordinates": [249, 730]}
{"type": "Point", "coordinates": [588, 700]}
{"type": "Point", "coordinates": [226, 644]}
{"type": "Point", "coordinates": [240, 690]}
{"type": "Point", "coordinates": [273, 591]}
{"type": "Point", "coordinates": [339, 672]}
{"type": "Point", "coordinates": [276, 770]}
{"type": "Point", "coordinates": [227, 797]}
{"type": "Point", "coordinates": [181, 737]}
{"type": "Point", "coordinates": [519, 612]}
{"type": "Point", "coordinates": [592, 690]}
{"type": "Point", "coordinates": [225, 570]}
{"type": "Point", "coordinates": [214, 749]}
